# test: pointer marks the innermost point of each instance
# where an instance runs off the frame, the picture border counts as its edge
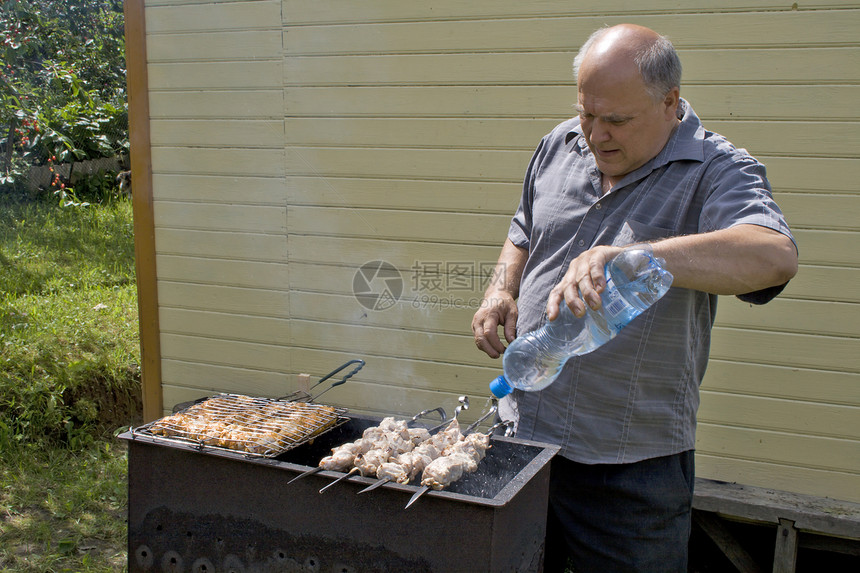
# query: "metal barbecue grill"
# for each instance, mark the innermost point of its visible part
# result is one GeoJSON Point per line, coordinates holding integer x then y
{"type": "Point", "coordinates": [204, 509]}
{"type": "Point", "coordinates": [254, 426]}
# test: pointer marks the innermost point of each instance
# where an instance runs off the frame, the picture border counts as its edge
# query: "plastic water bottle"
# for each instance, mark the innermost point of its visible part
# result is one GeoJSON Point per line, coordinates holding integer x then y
{"type": "Point", "coordinates": [635, 280]}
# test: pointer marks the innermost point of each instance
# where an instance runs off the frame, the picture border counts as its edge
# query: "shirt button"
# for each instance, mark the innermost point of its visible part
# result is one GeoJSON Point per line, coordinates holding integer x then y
{"type": "Point", "coordinates": [581, 243]}
{"type": "Point", "coordinates": [598, 206]}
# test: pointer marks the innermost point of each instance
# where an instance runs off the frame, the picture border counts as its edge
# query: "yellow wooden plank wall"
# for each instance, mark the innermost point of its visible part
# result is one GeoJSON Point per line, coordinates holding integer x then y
{"type": "Point", "coordinates": [217, 120]}
{"type": "Point", "coordinates": [295, 141]}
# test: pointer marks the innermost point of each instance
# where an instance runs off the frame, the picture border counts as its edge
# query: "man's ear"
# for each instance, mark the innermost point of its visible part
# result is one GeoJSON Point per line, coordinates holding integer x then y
{"type": "Point", "coordinates": [671, 101]}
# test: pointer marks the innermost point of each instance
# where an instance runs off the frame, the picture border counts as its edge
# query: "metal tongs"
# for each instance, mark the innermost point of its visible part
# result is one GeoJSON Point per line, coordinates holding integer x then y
{"type": "Point", "coordinates": [295, 395]}
{"type": "Point", "coordinates": [494, 407]}
{"type": "Point", "coordinates": [311, 398]}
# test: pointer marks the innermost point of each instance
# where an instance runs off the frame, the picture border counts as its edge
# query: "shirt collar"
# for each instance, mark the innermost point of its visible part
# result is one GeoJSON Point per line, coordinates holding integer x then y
{"type": "Point", "coordinates": [688, 141]}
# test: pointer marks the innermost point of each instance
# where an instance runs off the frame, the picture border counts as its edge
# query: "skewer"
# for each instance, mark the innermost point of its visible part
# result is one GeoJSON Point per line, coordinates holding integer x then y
{"type": "Point", "coordinates": [305, 473]}
{"type": "Point", "coordinates": [424, 489]}
{"type": "Point", "coordinates": [341, 478]}
{"type": "Point", "coordinates": [490, 411]}
{"type": "Point", "coordinates": [494, 407]}
{"type": "Point", "coordinates": [373, 486]}
{"type": "Point", "coordinates": [440, 410]}
{"type": "Point", "coordinates": [464, 405]}
{"type": "Point", "coordinates": [509, 427]}
{"type": "Point", "coordinates": [420, 492]}
{"type": "Point", "coordinates": [382, 481]}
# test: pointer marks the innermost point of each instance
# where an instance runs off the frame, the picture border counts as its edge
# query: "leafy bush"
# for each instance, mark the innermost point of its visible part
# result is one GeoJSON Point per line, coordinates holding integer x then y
{"type": "Point", "coordinates": [62, 87]}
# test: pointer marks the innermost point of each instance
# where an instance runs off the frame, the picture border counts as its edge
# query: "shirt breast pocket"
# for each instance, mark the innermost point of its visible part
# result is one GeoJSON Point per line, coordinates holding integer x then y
{"type": "Point", "coordinates": [636, 232]}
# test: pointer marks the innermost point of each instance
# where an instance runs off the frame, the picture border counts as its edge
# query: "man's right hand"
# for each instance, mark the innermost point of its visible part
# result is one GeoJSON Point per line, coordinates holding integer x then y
{"type": "Point", "coordinates": [498, 308]}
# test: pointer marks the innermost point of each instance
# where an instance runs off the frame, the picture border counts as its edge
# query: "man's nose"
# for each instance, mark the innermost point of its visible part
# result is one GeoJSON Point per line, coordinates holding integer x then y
{"type": "Point", "coordinates": [600, 131]}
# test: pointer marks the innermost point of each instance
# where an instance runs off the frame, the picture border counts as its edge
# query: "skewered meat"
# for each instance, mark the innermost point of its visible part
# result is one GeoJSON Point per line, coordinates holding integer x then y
{"type": "Point", "coordinates": [475, 445]}
{"type": "Point", "coordinates": [393, 471]}
{"type": "Point", "coordinates": [390, 437]}
{"type": "Point", "coordinates": [408, 465]}
{"type": "Point", "coordinates": [368, 463]}
{"type": "Point", "coordinates": [418, 435]}
{"type": "Point", "coordinates": [388, 426]}
{"type": "Point", "coordinates": [391, 424]}
{"type": "Point", "coordinates": [450, 435]}
{"type": "Point", "coordinates": [341, 457]}
{"type": "Point", "coordinates": [459, 455]}
{"type": "Point", "coordinates": [428, 450]}
{"type": "Point", "coordinates": [445, 470]}
{"type": "Point", "coordinates": [392, 451]}
{"type": "Point", "coordinates": [402, 462]}
{"type": "Point", "coordinates": [456, 460]}
{"type": "Point", "coordinates": [412, 460]}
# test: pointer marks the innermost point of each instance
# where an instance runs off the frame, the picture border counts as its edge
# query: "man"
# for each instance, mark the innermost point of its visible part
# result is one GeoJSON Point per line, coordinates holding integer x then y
{"type": "Point", "coordinates": [636, 166]}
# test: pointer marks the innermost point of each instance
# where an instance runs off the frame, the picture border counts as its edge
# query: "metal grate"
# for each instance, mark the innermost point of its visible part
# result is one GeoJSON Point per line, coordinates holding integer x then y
{"type": "Point", "coordinates": [255, 426]}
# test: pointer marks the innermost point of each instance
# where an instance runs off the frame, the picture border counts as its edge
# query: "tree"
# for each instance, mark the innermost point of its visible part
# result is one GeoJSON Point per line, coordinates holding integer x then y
{"type": "Point", "coordinates": [62, 85]}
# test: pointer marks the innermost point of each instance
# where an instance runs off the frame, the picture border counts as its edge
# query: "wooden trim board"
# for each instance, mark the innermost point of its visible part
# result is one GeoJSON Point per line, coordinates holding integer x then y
{"type": "Point", "coordinates": [142, 204]}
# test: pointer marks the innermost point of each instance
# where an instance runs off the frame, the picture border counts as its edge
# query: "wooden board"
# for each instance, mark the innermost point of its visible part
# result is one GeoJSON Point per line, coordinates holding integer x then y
{"type": "Point", "coordinates": [797, 102]}
{"type": "Point", "coordinates": [828, 516]}
{"type": "Point", "coordinates": [724, 67]}
{"type": "Point", "coordinates": [803, 443]}
{"type": "Point", "coordinates": [332, 11]}
{"type": "Point", "coordinates": [823, 139]}
{"type": "Point", "coordinates": [246, 246]}
{"type": "Point", "coordinates": [827, 484]}
{"type": "Point", "coordinates": [563, 33]}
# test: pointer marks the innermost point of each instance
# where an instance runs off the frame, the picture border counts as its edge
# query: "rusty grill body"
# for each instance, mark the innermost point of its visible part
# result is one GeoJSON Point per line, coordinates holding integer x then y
{"type": "Point", "coordinates": [212, 510]}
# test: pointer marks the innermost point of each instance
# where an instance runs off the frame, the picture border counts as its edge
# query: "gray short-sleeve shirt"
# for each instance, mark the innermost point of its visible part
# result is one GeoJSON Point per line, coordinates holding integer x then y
{"type": "Point", "coordinates": [636, 397]}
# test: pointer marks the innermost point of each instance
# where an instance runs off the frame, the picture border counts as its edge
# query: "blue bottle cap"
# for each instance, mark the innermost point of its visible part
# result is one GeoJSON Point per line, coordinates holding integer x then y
{"type": "Point", "coordinates": [500, 387]}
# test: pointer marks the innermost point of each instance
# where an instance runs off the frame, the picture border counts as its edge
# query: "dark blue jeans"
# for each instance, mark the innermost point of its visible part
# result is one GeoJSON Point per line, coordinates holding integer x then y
{"type": "Point", "coordinates": [621, 518]}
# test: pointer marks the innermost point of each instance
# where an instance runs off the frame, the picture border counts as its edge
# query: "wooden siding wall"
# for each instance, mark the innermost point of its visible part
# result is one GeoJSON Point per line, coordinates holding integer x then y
{"type": "Point", "coordinates": [217, 109]}
{"type": "Point", "coordinates": [295, 141]}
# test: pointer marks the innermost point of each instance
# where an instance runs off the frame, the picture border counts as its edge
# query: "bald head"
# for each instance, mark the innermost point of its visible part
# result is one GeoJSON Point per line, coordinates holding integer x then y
{"type": "Point", "coordinates": [632, 49]}
{"type": "Point", "coordinates": [622, 43]}
{"type": "Point", "coordinates": [627, 97]}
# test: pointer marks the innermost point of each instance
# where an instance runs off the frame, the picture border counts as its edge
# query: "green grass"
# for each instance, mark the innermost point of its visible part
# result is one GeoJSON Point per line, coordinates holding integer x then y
{"type": "Point", "coordinates": [63, 510]}
{"type": "Point", "coordinates": [69, 349]}
{"type": "Point", "coordinates": [69, 378]}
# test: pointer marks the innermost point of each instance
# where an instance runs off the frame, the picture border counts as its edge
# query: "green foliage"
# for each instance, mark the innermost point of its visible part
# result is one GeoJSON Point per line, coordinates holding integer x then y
{"type": "Point", "coordinates": [62, 86]}
{"type": "Point", "coordinates": [69, 349]}
{"type": "Point", "coordinates": [69, 352]}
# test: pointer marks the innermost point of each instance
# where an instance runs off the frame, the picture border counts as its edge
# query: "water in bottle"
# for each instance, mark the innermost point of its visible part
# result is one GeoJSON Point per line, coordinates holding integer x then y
{"type": "Point", "coordinates": [635, 280]}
